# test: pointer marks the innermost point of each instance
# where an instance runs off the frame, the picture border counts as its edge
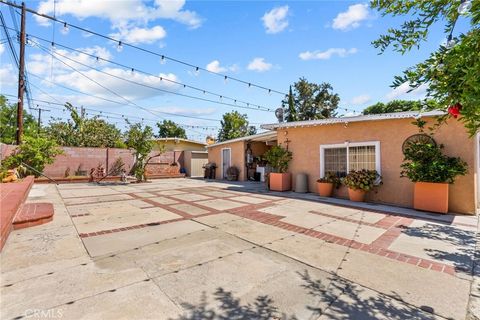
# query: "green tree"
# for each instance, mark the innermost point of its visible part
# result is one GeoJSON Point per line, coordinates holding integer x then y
{"type": "Point", "coordinates": [451, 72]}
{"type": "Point", "coordinates": [311, 101]}
{"type": "Point", "coordinates": [140, 139]}
{"type": "Point", "coordinates": [8, 122]}
{"type": "Point", "coordinates": [36, 152]}
{"type": "Point", "coordinates": [234, 125]}
{"type": "Point", "coordinates": [400, 106]}
{"type": "Point", "coordinates": [169, 129]}
{"type": "Point", "coordinates": [84, 132]}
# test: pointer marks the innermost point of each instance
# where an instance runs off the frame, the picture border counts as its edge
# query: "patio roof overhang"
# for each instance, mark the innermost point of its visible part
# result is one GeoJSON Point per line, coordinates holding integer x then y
{"type": "Point", "coordinates": [266, 137]}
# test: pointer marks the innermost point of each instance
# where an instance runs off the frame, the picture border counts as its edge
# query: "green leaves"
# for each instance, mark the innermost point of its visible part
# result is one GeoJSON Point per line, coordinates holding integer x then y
{"type": "Point", "coordinates": [425, 162]}
{"type": "Point", "coordinates": [8, 122]}
{"type": "Point", "coordinates": [139, 139]}
{"type": "Point", "coordinates": [278, 158]}
{"type": "Point", "coordinates": [169, 129]}
{"type": "Point", "coordinates": [361, 179]}
{"type": "Point", "coordinates": [234, 125]}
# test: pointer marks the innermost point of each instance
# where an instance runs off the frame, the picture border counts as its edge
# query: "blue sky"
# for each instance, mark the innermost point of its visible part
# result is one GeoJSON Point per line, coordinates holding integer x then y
{"type": "Point", "coordinates": [268, 43]}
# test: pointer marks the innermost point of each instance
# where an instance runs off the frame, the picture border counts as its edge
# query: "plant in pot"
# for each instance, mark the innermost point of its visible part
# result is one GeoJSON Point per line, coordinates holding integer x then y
{"type": "Point", "coordinates": [278, 158]}
{"type": "Point", "coordinates": [232, 173]}
{"type": "Point", "coordinates": [326, 184]}
{"type": "Point", "coordinates": [359, 182]}
{"type": "Point", "coordinates": [432, 172]}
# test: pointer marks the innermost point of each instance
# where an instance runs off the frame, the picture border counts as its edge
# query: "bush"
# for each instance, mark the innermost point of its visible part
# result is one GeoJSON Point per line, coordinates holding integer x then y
{"type": "Point", "coordinates": [331, 177]}
{"type": "Point", "coordinates": [232, 171]}
{"type": "Point", "coordinates": [425, 162]}
{"type": "Point", "coordinates": [36, 152]}
{"type": "Point", "coordinates": [361, 179]}
{"type": "Point", "coordinates": [278, 158]}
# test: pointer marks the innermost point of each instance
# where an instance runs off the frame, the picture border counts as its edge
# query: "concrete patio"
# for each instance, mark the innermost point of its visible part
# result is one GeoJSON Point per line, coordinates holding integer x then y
{"type": "Point", "coordinates": [190, 249]}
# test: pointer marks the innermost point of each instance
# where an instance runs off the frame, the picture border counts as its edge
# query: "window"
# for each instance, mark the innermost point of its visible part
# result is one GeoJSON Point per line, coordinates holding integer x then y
{"type": "Point", "coordinates": [341, 158]}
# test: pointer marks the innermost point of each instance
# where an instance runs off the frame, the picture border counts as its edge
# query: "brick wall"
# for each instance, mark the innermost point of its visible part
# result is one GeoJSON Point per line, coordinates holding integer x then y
{"type": "Point", "coordinates": [87, 158]}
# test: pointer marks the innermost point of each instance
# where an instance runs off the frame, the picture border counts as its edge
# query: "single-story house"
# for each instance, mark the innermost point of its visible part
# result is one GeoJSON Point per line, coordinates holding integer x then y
{"type": "Point", "coordinates": [189, 154]}
{"type": "Point", "coordinates": [366, 141]}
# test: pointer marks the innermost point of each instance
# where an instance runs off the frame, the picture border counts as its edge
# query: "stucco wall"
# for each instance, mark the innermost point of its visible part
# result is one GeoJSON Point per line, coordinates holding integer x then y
{"type": "Point", "coordinates": [238, 157]}
{"type": "Point", "coordinates": [305, 144]}
{"type": "Point", "coordinates": [180, 145]}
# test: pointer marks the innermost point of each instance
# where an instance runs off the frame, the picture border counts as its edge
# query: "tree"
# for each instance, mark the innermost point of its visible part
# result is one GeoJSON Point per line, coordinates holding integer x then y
{"type": "Point", "coordinates": [84, 132]}
{"type": "Point", "coordinates": [451, 72]}
{"type": "Point", "coordinates": [311, 101]}
{"type": "Point", "coordinates": [8, 122]}
{"type": "Point", "coordinates": [400, 106]}
{"type": "Point", "coordinates": [36, 152]}
{"type": "Point", "coordinates": [140, 139]}
{"type": "Point", "coordinates": [169, 129]}
{"type": "Point", "coordinates": [235, 125]}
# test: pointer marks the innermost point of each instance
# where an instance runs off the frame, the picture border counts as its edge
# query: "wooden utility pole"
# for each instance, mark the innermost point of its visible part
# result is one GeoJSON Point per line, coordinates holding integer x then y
{"type": "Point", "coordinates": [21, 77]}
{"type": "Point", "coordinates": [39, 125]}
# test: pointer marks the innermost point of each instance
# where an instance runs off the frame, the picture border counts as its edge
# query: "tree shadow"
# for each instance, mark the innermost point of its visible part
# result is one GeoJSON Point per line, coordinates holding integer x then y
{"type": "Point", "coordinates": [347, 300]}
{"type": "Point", "coordinates": [463, 241]}
{"type": "Point", "coordinates": [229, 307]}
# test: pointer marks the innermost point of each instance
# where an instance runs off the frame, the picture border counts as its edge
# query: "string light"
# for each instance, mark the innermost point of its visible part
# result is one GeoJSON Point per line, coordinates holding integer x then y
{"type": "Point", "coordinates": [450, 42]}
{"type": "Point", "coordinates": [119, 46]}
{"type": "Point", "coordinates": [465, 7]}
{"type": "Point", "coordinates": [65, 28]}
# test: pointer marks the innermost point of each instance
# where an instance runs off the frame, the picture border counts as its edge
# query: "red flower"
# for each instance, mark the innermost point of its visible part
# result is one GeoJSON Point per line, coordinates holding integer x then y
{"type": "Point", "coordinates": [454, 110]}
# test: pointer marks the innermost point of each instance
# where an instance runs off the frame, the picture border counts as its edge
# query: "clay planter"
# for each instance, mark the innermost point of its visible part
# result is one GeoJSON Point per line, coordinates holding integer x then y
{"type": "Point", "coordinates": [357, 195]}
{"type": "Point", "coordinates": [429, 196]}
{"type": "Point", "coordinates": [280, 181]}
{"type": "Point", "coordinates": [325, 189]}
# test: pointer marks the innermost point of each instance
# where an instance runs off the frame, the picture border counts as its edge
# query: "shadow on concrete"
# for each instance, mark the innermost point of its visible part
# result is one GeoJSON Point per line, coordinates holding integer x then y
{"type": "Point", "coordinates": [337, 300]}
{"type": "Point", "coordinates": [462, 240]}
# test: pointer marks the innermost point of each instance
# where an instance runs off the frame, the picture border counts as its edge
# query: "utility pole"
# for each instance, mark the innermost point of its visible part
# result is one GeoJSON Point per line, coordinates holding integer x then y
{"type": "Point", "coordinates": [21, 77]}
{"type": "Point", "coordinates": [39, 117]}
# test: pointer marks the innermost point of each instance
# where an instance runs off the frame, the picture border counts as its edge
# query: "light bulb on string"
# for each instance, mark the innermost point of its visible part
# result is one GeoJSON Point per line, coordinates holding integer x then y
{"type": "Point", "coordinates": [450, 42]}
{"type": "Point", "coordinates": [119, 46]}
{"type": "Point", "coordinates": [162, 60]}
{"type": "Point", "coordinates": [225, 79]}
{"type": "Point", "coordinates": [464, 7]}
{"type": "Point", "coordinates": [132, 71]}
{"type": "Point", "coordinates": [65, 28]}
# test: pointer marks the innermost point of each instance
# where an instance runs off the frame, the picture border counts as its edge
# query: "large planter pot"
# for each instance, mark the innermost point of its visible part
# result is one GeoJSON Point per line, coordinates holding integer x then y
{"type": "Point", "coordinates": [232, 177]}
{"type": "Point", "coordinates": [356, 195]}
{"type": "Point", "coordinates": [325, 189]}
{"type": "Point", "coordinates": [429, 196]}
{"type": "Point", "coordinates": [280, 181]}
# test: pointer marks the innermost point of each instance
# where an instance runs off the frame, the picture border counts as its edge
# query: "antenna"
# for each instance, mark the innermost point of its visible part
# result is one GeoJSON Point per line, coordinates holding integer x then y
{"type": "Point", "coordinates": [279, 114]}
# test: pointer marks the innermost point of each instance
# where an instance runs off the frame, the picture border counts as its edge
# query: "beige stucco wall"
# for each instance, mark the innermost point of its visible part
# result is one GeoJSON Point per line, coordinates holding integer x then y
{"type": "Point", "coordinates": [180, 145]}
{"type": "Point", "coordinates": [305, 144]}
{"type": "Point", "coordinates": [238, 157]}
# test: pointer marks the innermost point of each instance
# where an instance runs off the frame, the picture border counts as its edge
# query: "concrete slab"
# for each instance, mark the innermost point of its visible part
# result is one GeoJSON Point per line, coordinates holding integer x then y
{"type": "Point", "coordinates": [253, 231]}
{"type": "Point", "coordinates": [217, 219]}
{"type": "Point", "coordinates": [190, 209]}
{"type": "Point", "coordinates": [126, 240]}
{"type": "Point", "coordinates": [352, 231]}
{"type": "Point", "coordinates": [171, 192]}
{"type": "Point", "coordinates": [163, 200]}
{"type": "Point", "coordinates": [141, 300]}
{"type": "Point", "coordinates": [190, 197]}
{"type": "Point", "coordinates": [84, 200]}
{"type": "Point", "coordinates": [89, 191]}
{"type": "Point", "coordinates": [220, 204]}
{"type": "Point", "coordinates": [307, 220]}
{"type": "Point", "coordinates": [445, 295]}
{"type": "Point", "coordinates": [145, 194]}
{"type": "Point", "coordinates": [85, 208]}
{"type": "Point", "coordinates": [250, 199]}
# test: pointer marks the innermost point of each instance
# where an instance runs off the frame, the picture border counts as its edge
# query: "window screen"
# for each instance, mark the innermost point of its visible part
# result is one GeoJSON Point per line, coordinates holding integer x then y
{"type": "Point", "coordinates": [336, 161]}
{"type": "Point", "coordinates": [362, 157]}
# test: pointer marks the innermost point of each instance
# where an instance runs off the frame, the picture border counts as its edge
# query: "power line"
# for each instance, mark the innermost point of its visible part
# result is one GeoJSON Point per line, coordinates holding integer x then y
{"type": "Point", "coordinates": [162, 56]}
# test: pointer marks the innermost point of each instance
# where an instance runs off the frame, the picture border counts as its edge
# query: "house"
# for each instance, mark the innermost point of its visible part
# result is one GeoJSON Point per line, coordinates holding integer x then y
{"type": "Point", "coordinates": [188, 154]}
{"type": "Point", "coordinates": [366, 141]}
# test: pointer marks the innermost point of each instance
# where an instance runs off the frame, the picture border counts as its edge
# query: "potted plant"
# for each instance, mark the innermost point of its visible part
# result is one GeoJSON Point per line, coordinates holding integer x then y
{"type": "Point", "coordinates": [278, 158]}
{"type": "Point", "coordinates": [326, 184]}
{"type": "Point", "coordinates": [360, 182]}
{"type": "Point", "coordinates": [232, 173]}
{"type": "Point", "coordinates": [432, 172]}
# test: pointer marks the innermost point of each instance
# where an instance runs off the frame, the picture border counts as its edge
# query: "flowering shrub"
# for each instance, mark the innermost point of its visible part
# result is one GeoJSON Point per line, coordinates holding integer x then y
{"type": "Point", "coordinates": [332, 178]}
{"type": "Point", "coordinates": [361, 179]}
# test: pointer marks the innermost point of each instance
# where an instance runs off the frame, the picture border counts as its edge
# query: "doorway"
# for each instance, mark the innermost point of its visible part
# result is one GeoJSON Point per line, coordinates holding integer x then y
{"type": "Point", "coordinates": [226, 161]}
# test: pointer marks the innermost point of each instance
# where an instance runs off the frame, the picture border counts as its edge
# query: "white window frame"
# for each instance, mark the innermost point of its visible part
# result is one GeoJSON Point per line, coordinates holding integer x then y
{"type": "Point", "coordinates": [230, 153]}
{"type": "Point", "coordinates": [346, 145]}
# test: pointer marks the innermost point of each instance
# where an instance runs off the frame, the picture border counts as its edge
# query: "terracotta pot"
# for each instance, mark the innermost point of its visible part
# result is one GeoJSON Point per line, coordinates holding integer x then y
{"type": "Point", "coordinates": [357, 195]}
{"type": "Point", "coordinates": [325, 189]}
{"type": "Point", "coordinates": [280, 181]}
{"type": "Point", "coordinates": [429, 196]}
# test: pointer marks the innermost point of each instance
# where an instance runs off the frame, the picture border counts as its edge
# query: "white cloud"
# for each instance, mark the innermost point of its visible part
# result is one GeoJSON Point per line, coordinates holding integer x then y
{"type": "Point", "coordinates": [215, 66]}
{"type": "Point", "coordinates": [351, 18]}
{"type": "Point", "coordinates": [401, 92]}
{"type": "Point", "coordinates": [361, 99]}
{"type": "Point", "coordinates": [8, 76]}
{"type": "Point", "coordinates": [327, 54]}
{"type": "Point", "coordinates": [2, 48]}
{"type": "Point", "coordinates": [136, 35]}
{"type": "Point", "coordinates": [122, 12]}
{"type": "Point", "coordinates": [275, 20]}
{"type": "Point", "coordinates": [259, 65]}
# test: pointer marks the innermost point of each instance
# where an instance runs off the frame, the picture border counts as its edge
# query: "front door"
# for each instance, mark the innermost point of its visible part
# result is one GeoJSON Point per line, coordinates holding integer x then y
{"type": "Point", "coordinates": [225, 162]}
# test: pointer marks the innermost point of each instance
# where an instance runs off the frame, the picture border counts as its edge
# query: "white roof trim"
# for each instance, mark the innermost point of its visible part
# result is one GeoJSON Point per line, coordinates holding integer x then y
{"type": "Point", "coordinates": [370, 117]}
{"type": "Point", "coordinates": [180, 139]}
{"type": "Point", "coordinates": [265, 136]}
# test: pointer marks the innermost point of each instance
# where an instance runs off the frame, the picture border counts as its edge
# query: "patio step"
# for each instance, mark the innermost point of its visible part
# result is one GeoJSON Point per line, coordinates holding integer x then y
{"type": "Point", "coordinates": [33, 214]}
